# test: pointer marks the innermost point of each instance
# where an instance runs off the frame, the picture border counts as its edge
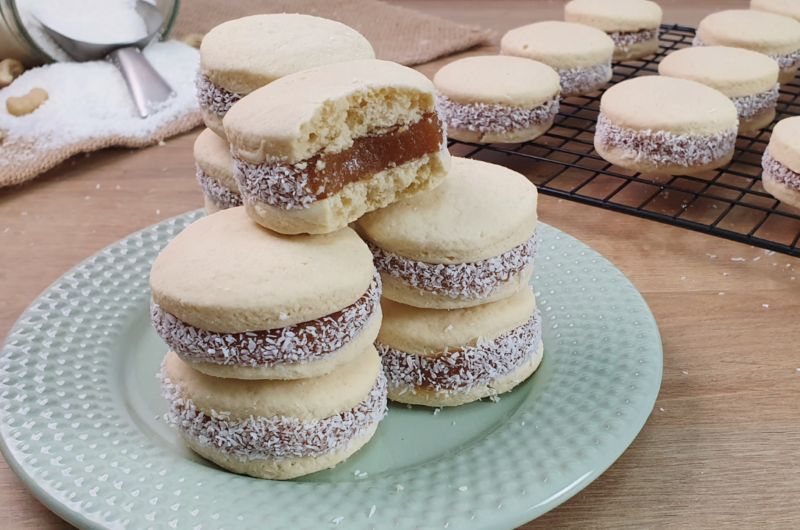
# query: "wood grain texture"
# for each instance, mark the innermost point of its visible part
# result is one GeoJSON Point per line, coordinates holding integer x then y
{"type": "Point", "coordinates": [722, 453]}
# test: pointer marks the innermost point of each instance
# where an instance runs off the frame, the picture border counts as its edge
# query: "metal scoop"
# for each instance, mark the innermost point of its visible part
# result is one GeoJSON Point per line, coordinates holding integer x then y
{"type": "Point", "coordinates": [148, 88]}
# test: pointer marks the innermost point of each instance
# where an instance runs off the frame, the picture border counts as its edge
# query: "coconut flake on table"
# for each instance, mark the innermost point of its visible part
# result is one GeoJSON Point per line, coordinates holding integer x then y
{"type": "Point", "coordinates": [90, 101]}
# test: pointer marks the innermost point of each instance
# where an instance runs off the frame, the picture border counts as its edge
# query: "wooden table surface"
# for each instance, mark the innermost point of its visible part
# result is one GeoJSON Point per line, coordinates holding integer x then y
{"type": "Point", "coordinates": [722, 447]}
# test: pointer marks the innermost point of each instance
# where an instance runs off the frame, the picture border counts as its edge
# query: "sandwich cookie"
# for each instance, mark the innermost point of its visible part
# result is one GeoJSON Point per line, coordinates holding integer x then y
{"type": "Point", "coordinates": [240, 56]}
{"type": "Point", "coordinates": [212, 156]}
{"type": "Point", "coordinates": [316, 150]}
{"type": "Point", "coordinates": [665, 125]}
{"type": "Point", "coordinates": [773, 35]}
{"type": "Point", "coordinates": [787, 8]}
{"type": "Point", "coordinates": [276, 429]}
{"type": "Point", "coordinates": [633, 25]}
{"type": "Point", "coordinates": [781, 162]}
{"type": "Point", "coordinates": [445, 358]}
{"type": "Point", "coordinates": [749, 78]}
{"type": "Point", "coordinates": [236, 300]}
{"type": "Point", "coordinates": [497, 99]}
{"type": "Point", "coordinates": [470, 241]}
{"type": "Point", "coordinates": [580, 54]}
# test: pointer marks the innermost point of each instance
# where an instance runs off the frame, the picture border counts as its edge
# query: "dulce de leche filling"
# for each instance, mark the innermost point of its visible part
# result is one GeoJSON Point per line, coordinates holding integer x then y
{"type": "Point", "coordinates": [323, 175]}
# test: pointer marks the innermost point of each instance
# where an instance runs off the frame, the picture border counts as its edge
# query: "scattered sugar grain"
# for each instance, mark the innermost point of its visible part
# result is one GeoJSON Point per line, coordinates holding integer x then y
{"type": "Point", "coordinates": [356, 472]}
{"type": "Point", "coordinates": [371, 511]}
{"type": "Point", "coordinates": [463, 488]}
{"type": "Point", "coordinates": [162, 143]}
{"type": "Point", "coordinates": [399, 487]}
{"type": "Point", "coordinates": [436, 411]}
{"type": "Point", "coordinates": [338, 520]}
{"type": "Point", "coordinates": [363, 475]}
{"type": "Point", "coordinates": [158, 212]}
{"type": "Point", "coordinates": [738, 259]}
{"type": "Point", "coordinates": [685, 373]}
{"type": "Point", "coordinates": [662, 410]}
{"type": "Point", "coordinates": [764, 305]}
{"type": "Point", "coordinates": [712, 256]}
{"type": "Point", "coordinates": [97, 187]}
{"type": "Point", "coordinates": [721, 294]}
{"type": "Point", "coordinates": [756, 259]}
{"type": "Point", "coordinates": [724, 273]}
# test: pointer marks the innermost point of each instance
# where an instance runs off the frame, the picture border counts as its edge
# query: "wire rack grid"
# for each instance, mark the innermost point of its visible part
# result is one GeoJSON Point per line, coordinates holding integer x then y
{"type": "Point", "coordinates": [729, 202]}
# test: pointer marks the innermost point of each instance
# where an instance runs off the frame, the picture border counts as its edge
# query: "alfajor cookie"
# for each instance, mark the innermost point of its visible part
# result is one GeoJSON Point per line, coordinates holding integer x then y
{"type": "Point", "coordinates": [781, 162]}
{"type": "Point", "coordinates": [773, 35]}
{"type": "Point", "coordinates": [212, 156]}
{"type": "Point", "coordinates": [314, 151]}
{"type": "Point", "coordinates": [240, 56]}
{"type": "Point", "coordinates": [658, 124]}
{"type": "Point", "coordinates": [580, 54]}
{"type": "Point", "coordinates": [787, 8]}
{"type": "Point", "coordinates": [497, 99]}
{"type": "Point", "coordinates": [633, 25]}
{"type": "Point", "coordinates": [276, 429]}
{"type": "Point", "coordinates": [445, 358]}
{"type": "Point", "coordinates": [749, 78]}
{"type": "Point", "coordinates": [470, 241]}
{"type": "Point", "coordinates": [236, 300]}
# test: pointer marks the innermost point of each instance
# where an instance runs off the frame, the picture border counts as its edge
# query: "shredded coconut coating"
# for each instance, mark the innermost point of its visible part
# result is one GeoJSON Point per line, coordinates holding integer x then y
{"type": "Point", "coordinates": [494, 118]}
{"type": "Point", "coordinates": [462, 369]}
{"type": "Point", "coordinates": [577, 81]}
{"type": "Point", "coordinates": [464, 280]}
{"type": "Point", "coordinates": [755, 104]}
{"type": "Point", "coordinates": [666, 148]}
{"type": "Point", "coordinates": [219, 194]}
{"type": "Point", "coordinates": [275, 438]}
{"type": "Point", "coordinates": [779, 172]}
{"type": "Point", "coordinates": [785, 61]}
{"type": "Point", "coordinates": [300, 343]}
{"type": "Point", "coordinates": [214, 98]}
{"type": "Point", "coordinates": [624, 40]}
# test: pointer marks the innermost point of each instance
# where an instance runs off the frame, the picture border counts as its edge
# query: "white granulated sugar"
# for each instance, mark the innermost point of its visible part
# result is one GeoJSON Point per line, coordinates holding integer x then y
{"type": "Point", "coordinates": [788, 60]}
{"type": "Point", "coordinates": [95, 21]}
{"type": "Point", "coordinates": [584, 80]}
{"type": "Point", "coordinates": [259, 438]}
{"type": "Point", "coordinates": [90, 100]}
{"type": "Point", "coordinates": [781, 173]}
{"type": "Point", "coordinates": [755, 104]}
{"type": "Point", "coordinates": [663, 147]}
{"type": "Point", "coordinates": [624, 40]}
{"type": "Point", "coordinates": [493, 118]}
{"type": "Point", "coordinates": [463, 280]}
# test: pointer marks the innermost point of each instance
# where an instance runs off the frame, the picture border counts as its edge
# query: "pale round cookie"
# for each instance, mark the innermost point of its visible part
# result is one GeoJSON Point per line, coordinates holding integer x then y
{"type": "Point", "coordinates": [749, 78]}
{"type": "Point", "coordinates": [787, 8]}
{"type": "Point", "coordinates": [237, 300]}
{"type": "Point", "coordinates": [441, 357]}
{"type": "Point", "coordinates": [214, 170]}
{"type": "Point", "coordinates": [781, 162]}
{"type": "Point", "coordinates": [240, 56]}
{"type": "Point", "coordinates": [314, 151]}
{"type": "Point", "coordinates": [469, 241]}
{"type": "Point", "coordinates": [276, 429]}
{"type": "Point", "coordinates": [633, 25]}
{"type": "Point", "coordinates": [581, 55]}
{"type": "Point", "coordinates": [773, 35]}
{"type": "Point", "coordinates": [497, 99]}
{"type": "Point", "coordinates": [665, 125]}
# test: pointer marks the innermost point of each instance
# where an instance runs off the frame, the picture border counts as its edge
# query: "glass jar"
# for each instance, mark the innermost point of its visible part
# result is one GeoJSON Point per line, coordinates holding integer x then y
{"type": "Point", "coordinates": [16, 42]}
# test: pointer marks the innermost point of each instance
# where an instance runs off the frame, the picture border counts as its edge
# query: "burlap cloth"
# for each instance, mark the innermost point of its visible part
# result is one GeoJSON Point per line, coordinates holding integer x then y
{"type": "Point", "coordinates": [401, 35]}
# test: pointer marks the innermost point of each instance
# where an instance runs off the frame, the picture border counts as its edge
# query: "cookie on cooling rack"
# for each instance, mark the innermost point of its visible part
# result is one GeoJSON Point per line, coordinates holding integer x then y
{"type": "Point", "coordinates": [580, 54]}
{"type": "Point", "coordinates": [314, 151]}
{"type": "Point", "coordinates": [773, 35]}
{"type": "Point", "coordinates": [236, 300]}
{"type": "Point", "coordinates": [240, 56]}
{"type": "Point", "coordinates": [443, 358]}
{"type": "Point", "coordinates": [633, 25]}
{"type": "Point", "coordinates": [781, 162]}
{"type": "Point", "coordinates": [497, 99]}
{"type": "Point", "coordinates": [470, 241]}
{"type": "Point", "coordinates": [749, 78]}
{"type": "Point", "coordinates": [659, 124]}
{"type": "Point", "coordinates": [212, 156]}
{"type": "Point", "coordinates": [276, 429]}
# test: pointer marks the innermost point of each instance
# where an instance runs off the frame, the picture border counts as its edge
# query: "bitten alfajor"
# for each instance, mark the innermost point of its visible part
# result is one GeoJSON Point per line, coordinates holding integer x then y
{"type": "Point", "coordinates": [749, 78]}
{"type": "Point", "coordinates": [497, 98]}
{"type": "Point", "coordinates": [580, 54]}
{"type": "Point", "coordinates": [236, 300]}
{"type": "Point", "coordinates": [212, 156]}
{"type": "Point", "coordinates": [445, 358]}
{"type": "Point", "coordinates": [316, 150]}
{"type": "Point", "coordinates": [276, 429]}
{"type": "Point", "coordinates": [240, 56]}
{"type": "Point", "coordinates": [658, 124]}
{"type": "Point", "coordinates": [781, 162]}
{"type": "Point", "coordinates": [468, 242]}
{"type": "Point", "coordinates": [633, 25]}
{"type": "Point", "coordinates": [773, 35]}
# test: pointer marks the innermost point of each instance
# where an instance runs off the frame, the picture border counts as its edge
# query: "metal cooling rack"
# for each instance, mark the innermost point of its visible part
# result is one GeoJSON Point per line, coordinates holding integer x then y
{"type": "Point", "coordinates": [729, 202]}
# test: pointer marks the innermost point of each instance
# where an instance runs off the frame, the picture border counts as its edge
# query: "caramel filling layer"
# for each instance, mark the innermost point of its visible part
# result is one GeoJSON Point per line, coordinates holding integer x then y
{"type": "Point", "coordinates": [323, 175]}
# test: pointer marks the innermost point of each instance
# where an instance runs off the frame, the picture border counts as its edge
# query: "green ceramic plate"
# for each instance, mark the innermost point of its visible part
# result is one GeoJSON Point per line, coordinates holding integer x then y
{"type": "Point", "coordinates": [80, 414]}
